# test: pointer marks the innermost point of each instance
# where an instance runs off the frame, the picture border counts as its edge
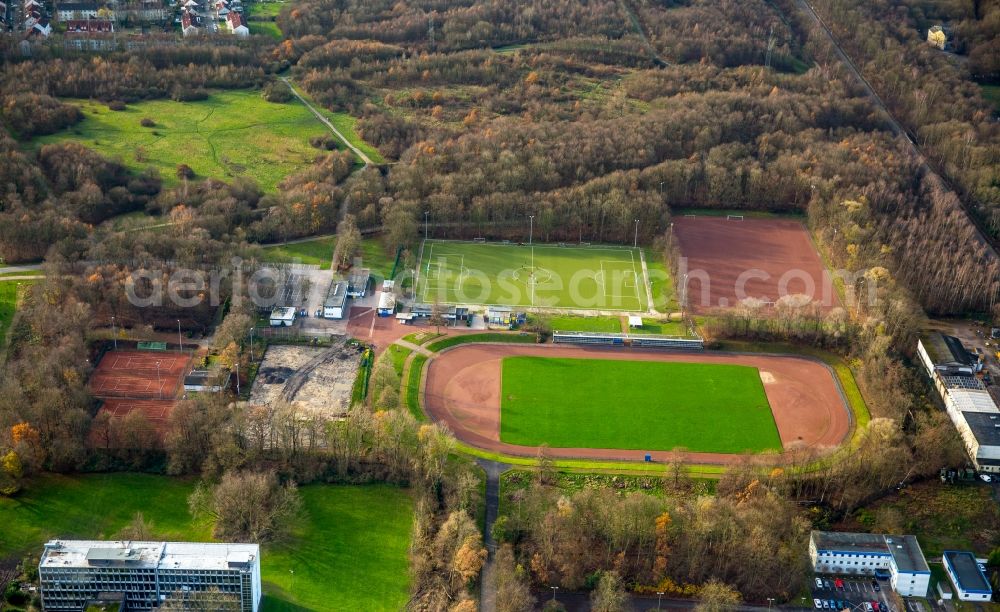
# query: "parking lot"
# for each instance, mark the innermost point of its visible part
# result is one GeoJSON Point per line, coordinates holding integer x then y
{"type": "Point", "coordinates": [852, 594]}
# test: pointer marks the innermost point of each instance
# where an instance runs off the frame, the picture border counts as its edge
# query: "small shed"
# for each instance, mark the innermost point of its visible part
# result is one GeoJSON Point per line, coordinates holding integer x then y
{"type": "Point", "coordinates": [282, 317]}
{"type": "Point", "coordinates": [205, 381]}
{"type": "Point", "coordinates": [386, 304]}
{"type": "Point", "coordinates": [404, 318]}
{"type": "Point", "coordinates": [634, 321]}
{"type": "Point", "coordinates": [500, 315]}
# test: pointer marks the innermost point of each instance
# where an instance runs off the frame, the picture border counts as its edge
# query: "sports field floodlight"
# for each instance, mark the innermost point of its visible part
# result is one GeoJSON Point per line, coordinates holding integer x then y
{"type": "Point", "coordinates": [635, 241]}
{"type": "Point", "coordinates": [426, 212]}
{"type": "Point", "coordinates": [114, 332]}
{"type": "Point", "coordinates": [531, 227]}
{"type": "Point", "coordinates": [179, 341]}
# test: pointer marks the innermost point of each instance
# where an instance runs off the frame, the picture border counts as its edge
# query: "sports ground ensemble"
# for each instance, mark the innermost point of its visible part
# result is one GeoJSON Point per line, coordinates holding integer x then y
{"type": "Point", "coordinates": [625, 404]}
{"type": "Point", "coordinates": [575, 277]}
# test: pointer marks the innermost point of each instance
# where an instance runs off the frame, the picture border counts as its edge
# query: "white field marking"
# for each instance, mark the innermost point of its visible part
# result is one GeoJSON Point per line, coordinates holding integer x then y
{"type": "Point", "coordinates": [604, 285]}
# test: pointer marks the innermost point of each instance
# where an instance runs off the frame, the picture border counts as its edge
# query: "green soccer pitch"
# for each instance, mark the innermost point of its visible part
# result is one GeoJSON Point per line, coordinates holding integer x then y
{"type": "Point", "coordinates": [540, 276]}
{"type": "Point", "coordinates": [635, 405]}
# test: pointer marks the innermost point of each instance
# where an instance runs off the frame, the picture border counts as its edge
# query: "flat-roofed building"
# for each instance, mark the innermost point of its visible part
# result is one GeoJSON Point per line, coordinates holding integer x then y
{"type": "Point", "coordinates": [964, 572]}
{"type": "Point", "coordinates": [865, 553]}
{"type": "Point", "coordinates": [336, 301]}
{"type": "Point", "coordinates": [144, 574]}
{"type": "Point", "coordinates": [358, 282]}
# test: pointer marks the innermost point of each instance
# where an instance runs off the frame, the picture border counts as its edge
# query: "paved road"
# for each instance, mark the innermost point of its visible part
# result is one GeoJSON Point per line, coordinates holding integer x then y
{"type": "Point", "coordinates": [494, 469]}
{"type": "Point", "coordinates": [894, 125]}
{"type": "Point", "coordinates": [364, 158]}
{"type": "Point", "coordinates": [21, 268]}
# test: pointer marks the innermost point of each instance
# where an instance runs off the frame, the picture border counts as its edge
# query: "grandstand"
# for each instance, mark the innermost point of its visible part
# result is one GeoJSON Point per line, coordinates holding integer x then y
{"type": "Point", "coordinates": [640, 340]}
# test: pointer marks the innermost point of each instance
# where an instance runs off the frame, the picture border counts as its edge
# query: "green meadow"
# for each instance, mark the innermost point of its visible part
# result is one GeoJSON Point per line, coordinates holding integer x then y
{"type": "Point", "coordinates": [348, 552]}
{"type": "Point", "coordinates": [233, 133]}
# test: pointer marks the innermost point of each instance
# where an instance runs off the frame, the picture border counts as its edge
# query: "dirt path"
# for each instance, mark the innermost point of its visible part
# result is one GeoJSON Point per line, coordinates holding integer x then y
{"type": "Point", "coordinates": [463, 391]}
{"type": "Point", "coordinates": [361, 155]}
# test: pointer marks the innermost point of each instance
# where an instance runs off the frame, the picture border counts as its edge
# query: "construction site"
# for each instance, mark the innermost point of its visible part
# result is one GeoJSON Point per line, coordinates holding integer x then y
{"type": "Point", "coordinates": [316, 381]}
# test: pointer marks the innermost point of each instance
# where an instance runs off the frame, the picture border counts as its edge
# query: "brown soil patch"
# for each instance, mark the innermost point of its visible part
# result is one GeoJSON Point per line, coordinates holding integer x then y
{"type": "Point", "coordinates": [463, 392]}
{"type": "Point", "coordinates": [769, 258]}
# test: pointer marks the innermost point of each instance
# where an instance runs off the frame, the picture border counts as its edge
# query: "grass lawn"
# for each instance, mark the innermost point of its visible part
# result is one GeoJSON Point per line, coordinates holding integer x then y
{"type": "Point", "coordinates": [375, 258]}
{"type": "Point", "coordinates": [348, 553]}
{"type": "Point", "coordinates": [411, 388]}
{"type": "Point", "coordinates": [232, 133]}
{"type": "Point", "coordinates": [587, 324]}
{"type": "Point", "coordinates": [665, 328]}
{"type": "Point", "coordinates": [313, 252]}
{"type": "Point", "coordinates": [640, 405]}
{"type": "Point", "coordinates": [451, 341]}
{"type": "Point", "coordinates": [398, 354]}
{"type": "Point", "coordinates": [265, 9]}
{"type": "Point", "coordinates": [660, 282]}
{"type": "Point", "coordinates": [266, 28]}
{"type": "Point", "coordinates": [9, 291]}
{"type": "Point", "coordinates": [581, 278]}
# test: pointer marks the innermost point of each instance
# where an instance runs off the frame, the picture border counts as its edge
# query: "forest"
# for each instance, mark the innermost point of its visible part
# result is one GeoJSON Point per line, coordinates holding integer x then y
{"type": "Point", "coordinates": [588, 115]}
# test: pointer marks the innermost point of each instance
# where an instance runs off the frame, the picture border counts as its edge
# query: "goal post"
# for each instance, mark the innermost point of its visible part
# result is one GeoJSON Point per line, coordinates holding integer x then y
{"type": "Point", "coordinates": [734, 217]}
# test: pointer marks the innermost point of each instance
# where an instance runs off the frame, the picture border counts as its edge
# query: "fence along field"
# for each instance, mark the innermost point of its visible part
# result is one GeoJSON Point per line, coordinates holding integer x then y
{"type": "Point", "coordinates": [539, 276]}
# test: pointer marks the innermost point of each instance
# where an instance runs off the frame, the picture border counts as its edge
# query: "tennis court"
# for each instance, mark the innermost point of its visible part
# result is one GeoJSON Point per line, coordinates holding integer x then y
{"type": "Point", "coordinates": [139, 374]}
{"type": "Point", "coordinates": [539, 276]}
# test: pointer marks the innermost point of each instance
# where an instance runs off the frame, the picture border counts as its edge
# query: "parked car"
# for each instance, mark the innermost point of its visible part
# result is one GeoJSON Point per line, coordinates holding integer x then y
{"type": "Point", "coordinates": [818, 603]}
{"type": "Point", "coordinates": [833, 604]}
{"type": "Point", "coordinates": [875, 586]}
{"type": "Point", "coordinates": [986, 478]}
{"type": "Point", "coordinates": [819, 584]}
{"type": "Point", "coordinates": [826, 584]}
{"type": "Point", "coordinates": [319, 313]}
{"type": "Point", "coordinates": [826, 605]}
{"type": "Point", "coordinates": [839, 584]}
{"type": "Point", "coordinates": [303, 313]}
{"type": "Point", "coordinates": [868, 607]}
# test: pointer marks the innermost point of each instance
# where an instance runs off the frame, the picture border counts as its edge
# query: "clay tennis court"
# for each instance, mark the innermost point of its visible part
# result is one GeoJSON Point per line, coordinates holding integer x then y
{"type": "Point", "coordinates": [728, 260]}
{"type": "Point", "coordinates": [144, 381]}
{"type": "Point", "coordinates": [139, 374]}
{"type": "Point", "coordinates": [463, 392]}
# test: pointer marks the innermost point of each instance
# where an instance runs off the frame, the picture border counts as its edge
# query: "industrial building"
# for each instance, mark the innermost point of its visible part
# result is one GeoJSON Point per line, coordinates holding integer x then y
{"type": "Point", "coordinates": [965, 574]}
{"type": "Point", "coordinates": [952, 368]}
{"type": "Point", "coordinates": [282, 317]}
{"type": "Point", "coordinates": [142, 575]}
{"type": "Point", "coordinates": [865, 553]}
{"type": "Point", "coordinates": [335, 305]}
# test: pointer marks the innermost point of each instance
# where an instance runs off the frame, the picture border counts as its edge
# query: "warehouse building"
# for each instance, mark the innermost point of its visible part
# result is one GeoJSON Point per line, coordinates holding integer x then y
{"type": "Point", "coordinates": [953, 368]}
{"type": "Point", "coordinates": [964, 572]}
{"type": "Point", "coordinates": [142, 575]}
{"type": "Point", "coordinates": [865, 553]}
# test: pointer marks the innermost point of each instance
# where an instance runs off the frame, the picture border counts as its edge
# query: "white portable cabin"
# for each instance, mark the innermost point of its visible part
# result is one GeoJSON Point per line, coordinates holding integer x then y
{"type": "Point", "coordinates": [283, 317]}
{"type": "Point", "coordinates": [336, 301]}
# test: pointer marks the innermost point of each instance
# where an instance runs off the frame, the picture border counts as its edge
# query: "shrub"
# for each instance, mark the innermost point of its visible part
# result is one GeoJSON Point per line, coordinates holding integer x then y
{"type": "Point", "coordinates": [276, 92]}
{"type": "Point", "coordinates": [147, 122]}
{"type": "Point", "coordinates": [184, 171]}
{"type": "Point", "coordinates": [116, 105]}
{"type": "Point", "coordinates": [326, 142]}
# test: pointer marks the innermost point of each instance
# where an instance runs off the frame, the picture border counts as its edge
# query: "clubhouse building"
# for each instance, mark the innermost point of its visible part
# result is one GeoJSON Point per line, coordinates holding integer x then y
{"type": "Point", "coordinates": [866, 553]}
{"type": "Point", "coordinates": [142, 575]}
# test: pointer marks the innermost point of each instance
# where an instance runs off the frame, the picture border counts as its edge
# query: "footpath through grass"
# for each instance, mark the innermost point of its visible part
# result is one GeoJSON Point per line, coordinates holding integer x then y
{"type": "Point", "coordinates": [638, 405]}
{"type": "Point", "coordinates": [348, 553]}
{"type": "Point", "coordinates": [231, 134]}
{"type": "Point", "coordinates": [451, 341]}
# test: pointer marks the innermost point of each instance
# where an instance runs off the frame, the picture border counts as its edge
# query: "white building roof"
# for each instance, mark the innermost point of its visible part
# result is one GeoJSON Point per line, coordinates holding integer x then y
{"type": "Point", "coordinates": [150, 555]}
{"type": "Point", "coordinates": [972, 400]}
{"type": "Point", "coordinates": [634, 321]}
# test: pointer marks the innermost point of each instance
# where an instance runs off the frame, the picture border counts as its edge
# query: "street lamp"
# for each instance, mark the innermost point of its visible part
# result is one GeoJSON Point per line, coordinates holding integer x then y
{"type": "Point", "coordinates": [554, 589]}
{"type": "Point", "coordinates": [179, 341]}
{"type": "Point", "coordinates": [426, 212]}
{"type": "Point", "coordinates": [635, 241]}
{"type": "Point", "coordinates": [114, 332]}
{"type": "Point", "coordinates": [770, 600]}
{"type": "Point", "coordinates": [659, 599]}
{"type": "Point", "coordinates": [531, 227]}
